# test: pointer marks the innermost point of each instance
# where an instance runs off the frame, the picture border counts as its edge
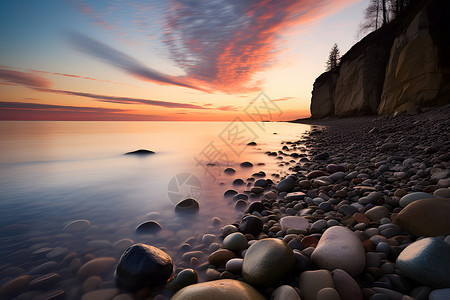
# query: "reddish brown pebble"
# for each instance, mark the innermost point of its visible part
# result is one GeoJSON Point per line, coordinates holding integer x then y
{"type": "Point", "coordinates": [361, 218]}
{"type": "Point", "coordinates": [309, 241]}
{"type": "Point", "coordinates": [369, 246]}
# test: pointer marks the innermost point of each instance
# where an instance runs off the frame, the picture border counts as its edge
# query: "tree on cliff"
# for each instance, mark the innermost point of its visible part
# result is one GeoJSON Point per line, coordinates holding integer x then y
{"type": "Point", "coordinates": [334, 58]}
{"type": "Point", "coordinates": [381, 12]}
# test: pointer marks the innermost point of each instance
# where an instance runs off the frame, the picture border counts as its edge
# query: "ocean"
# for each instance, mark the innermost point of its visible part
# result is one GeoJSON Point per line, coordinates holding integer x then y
{"type": "Point", "coordinates": [52, 173]}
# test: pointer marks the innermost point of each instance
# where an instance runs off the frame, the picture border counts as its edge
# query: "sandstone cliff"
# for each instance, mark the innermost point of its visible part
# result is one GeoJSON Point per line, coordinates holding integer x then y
{"type": "Point", "coordinates": [404, 64]}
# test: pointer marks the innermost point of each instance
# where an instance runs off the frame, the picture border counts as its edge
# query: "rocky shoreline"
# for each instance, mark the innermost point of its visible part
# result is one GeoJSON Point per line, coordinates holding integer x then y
{"type": "Point", "coordinates": [364, 213]}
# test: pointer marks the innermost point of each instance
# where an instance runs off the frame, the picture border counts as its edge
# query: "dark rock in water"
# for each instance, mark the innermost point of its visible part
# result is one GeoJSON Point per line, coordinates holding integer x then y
{"type": "Point", "coordinates": [229, 171]}
{"type": "Point", "coordinates": [148, 227]}
{"type": "Point", "coordinates": [246, 164]}
{"type": "Point", "coordinates": [251, 144]}
{"type": "Point", "coordinates": [183, 279]}
{"type": "Point", "coordinates": [286, 185]}
{"type": "Point", "coordinates": [187, 206]}
{"type": "Point", "coordinates": [252, 225]}
{"type": "Point", "coordinates": [240, 196]}
{"type": "Point", "coordinates": [321, 156]}
{"type": "Point", "coordinates": [230, 193]}
{"type": "Point", "coordinates": [238, 182]}
{"type": "Point", "coordinates": [256, 206]}
{"type": "Point", "coordinates": [141, 266]}
{"type": "Point", "coordinates": [140, 152]}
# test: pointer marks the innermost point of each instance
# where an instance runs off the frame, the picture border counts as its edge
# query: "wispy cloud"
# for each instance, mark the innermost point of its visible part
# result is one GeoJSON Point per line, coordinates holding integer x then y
{"type": "Point", "coordinates": [283, 99]}
{"type": "Point", "coordinates": [39, 83]}
{"type": "Point", "coordinates": [225, 43]}
{"type": "Point", "coordinates": [125, 100]}
{"type": "Point", "coordinates": [80, 77]}
{"type": "Point", "coordinates": [37, 111]}
{"type": "Point", "coordinates": [124, 62]}
{"type": "Point", "coordinates": [22, 78]}
{"type": "Point", "coordinates": [39, 106]}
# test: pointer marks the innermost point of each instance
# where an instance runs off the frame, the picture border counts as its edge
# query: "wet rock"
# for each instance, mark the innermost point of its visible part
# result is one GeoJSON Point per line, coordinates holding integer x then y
{"type": "Point", "coordinates": [221, 256]}
{"type": "Point", "coordinates": [187, 206]}
{"type": "Point", "coordinates": [223, 289]}
{"type": "Point", "coordinates": [184, 278]}
{"type": "Point", "coordinates": [148, 227]}
{"type": "Point", "coordinates": [266, 262]}
{"type": "Point", "coordinates": [286, 185]}
{"type": "Point", "coordinates": [328, 294]}
{"type": "Point", "coordinates": [235, 242]}
{"type": "Point", "coordinates": [143, 265]}
{"type": "Point", "coordinates": [96, 266]}
{"type": "Point", "coordinates": [76, 226]}
{"type": "Point", "coordinates": [234, 265]}
{"type": "Point", "coordinates": [252, 225]}
{"type": "Point", "coordinates": [15, 285]}
{"type": "Point", "coordinates": [376, 213]}
{"type": "Point", "coordinates": [246, 164]}
{"type": "Point", "coordinates": [140, 152]}
{"type": "Point", "coordinates": [340, 248]}
{"type": "Point", "coordinates": [229, 171]}
{"type": "Point", "coordinates": [103, 294]}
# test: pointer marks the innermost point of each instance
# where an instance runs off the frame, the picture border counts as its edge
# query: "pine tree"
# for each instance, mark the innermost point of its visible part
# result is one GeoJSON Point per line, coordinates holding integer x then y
{"type": "Point", "coordinates": [334, 58]}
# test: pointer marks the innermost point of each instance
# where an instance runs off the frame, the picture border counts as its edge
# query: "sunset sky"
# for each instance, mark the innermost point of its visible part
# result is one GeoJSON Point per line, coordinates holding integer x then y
{"type": "Point", "coordinates": [165, 60]}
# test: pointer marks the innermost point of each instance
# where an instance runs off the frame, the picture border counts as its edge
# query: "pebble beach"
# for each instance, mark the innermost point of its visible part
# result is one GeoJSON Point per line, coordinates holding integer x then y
{"type": "Point", "coordinates": [362, 211]}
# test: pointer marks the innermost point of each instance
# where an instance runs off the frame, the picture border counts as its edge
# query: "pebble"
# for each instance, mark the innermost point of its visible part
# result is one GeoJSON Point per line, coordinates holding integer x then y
{"type": "Point", "coordinates": [377, 213]}
{"type": "Point", "coordinates": [235, 242]}
{"type": "Point", "coordinates": [427, 261]}
{"type": "Point", "coordinates": [187, 206]}
{"type": "Point", "coordinates": [296, 223]}
{"type": "Point", "coordinates": [440, 294]}
{"type": "Point", "coordinates": [76, 226]}
{"type": "Point", "coordinates": [184, 278]}
{"type": "Point", "coordinates": [285, 292]}
{"type": "Point", "coordinates": [123, 244]}
{"type": "Point", "coordinates": [228, 229]}
{"type": "Point", "coordinates": [409, 198]}
{"type": "Point", "coordinates": [328, 294]}
{"type": "Point", "coordinates": [234, 265]}
{"type": "Point", "coordinates": [346, 286]}
{"type": "Point", "coordinates": [208, 239]}
{"type": "Point", "coordinates": [426, 217]}
{"type": "Point", "coordinates": [143, 265]}
{"type": "Point", "coordinates": [223, 289]}
{"type": "Point", "coordinates": [91, 283]}
{"type": "Point", "coordinates": [311, 282]}
{"type": "Point", "coordinates": [267, 262]}
{"type": "Point", "coordinates": [221, 256]}
{"type": "Point", "coordinates": [442, 193]}
{"type": "Point", "coordinates": [13, 286]}
{"type": "Point", "coordinates": [340, 248]}
{"type": "Point", "coordinates": [229, 171]}
{"type": "Point", "coordinates": [149, 227]}
{"type": "Point", "coordinates": [252, 225]}
{"type": "Point", "coordinates": [96, 266]}
{"type": "Point", "coordinates": [103, 294]}
{"type": "Point", "coordinates": [246, 164]}
{"type": "Point", "coordinates": [286, 185]}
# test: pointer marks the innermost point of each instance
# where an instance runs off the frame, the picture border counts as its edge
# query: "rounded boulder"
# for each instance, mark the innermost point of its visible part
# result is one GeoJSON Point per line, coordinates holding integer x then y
{"type": "Point", "coordinates": [267, 262]}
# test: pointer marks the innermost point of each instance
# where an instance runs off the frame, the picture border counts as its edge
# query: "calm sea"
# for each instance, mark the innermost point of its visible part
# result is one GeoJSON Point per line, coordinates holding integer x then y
{"type": "Point", "coordinates": [52, 173]}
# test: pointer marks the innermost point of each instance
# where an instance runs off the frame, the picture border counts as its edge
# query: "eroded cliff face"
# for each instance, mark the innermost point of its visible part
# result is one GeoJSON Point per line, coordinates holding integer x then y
{"type": "Point", "coordinates": [322, 101]}
{"type": "Point", "coordinates": [416, 74]}
{"type": "Point", "coordinates": [397, 67]}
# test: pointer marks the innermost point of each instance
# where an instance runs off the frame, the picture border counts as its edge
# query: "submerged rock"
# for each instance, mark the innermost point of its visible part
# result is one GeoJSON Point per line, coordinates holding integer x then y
{"type": "Point", "coordinates": [187, 206]}
{"type": "Point", "coordinates": [148, 227]}
{"type": "Point", "coordinates": [143, 265]}
{"type": "Point", "coordinates": [140, 152]}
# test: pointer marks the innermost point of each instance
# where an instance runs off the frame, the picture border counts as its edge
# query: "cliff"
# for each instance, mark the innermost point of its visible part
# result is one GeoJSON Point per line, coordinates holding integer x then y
{"type": "Point", "coordinates": [402, 65]}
